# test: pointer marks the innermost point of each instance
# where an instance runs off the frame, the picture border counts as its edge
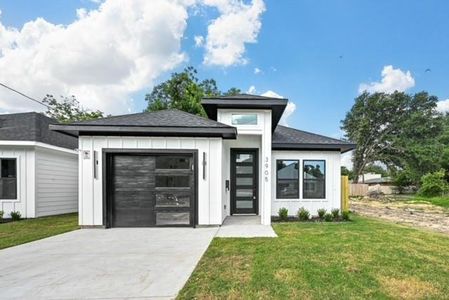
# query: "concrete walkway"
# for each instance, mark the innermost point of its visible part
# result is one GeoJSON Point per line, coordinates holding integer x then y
{"type": "Point", "coordinates": [245, 227]}
{"type": "Point", "coordinates": [143, 263]}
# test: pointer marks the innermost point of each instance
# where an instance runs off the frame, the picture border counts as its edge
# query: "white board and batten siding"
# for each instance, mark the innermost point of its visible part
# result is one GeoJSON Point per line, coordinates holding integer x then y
{"type": "Point", "coordinates": [47, 181]}
{"type": "Point", "coordinates": [332, 180]}
{"type": "Point", "coordinates": [56, 182]}
{"type": "Point", "coordinates": [209, 188]}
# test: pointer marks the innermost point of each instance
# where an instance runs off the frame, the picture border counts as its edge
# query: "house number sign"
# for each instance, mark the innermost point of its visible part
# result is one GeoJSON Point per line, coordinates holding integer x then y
{"type": "Point", "coordinates": [267, 166]}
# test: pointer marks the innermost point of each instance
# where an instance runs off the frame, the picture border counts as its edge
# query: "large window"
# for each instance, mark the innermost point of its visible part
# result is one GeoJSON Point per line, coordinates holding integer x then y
{"type": "Point", "coordinates": [287, 177]}
{"type": "Point", "coordinates": [8, 178]}
{"type": "Point", "coordinates": [314, 179]}
{"type": "Point", "coordinates": [244, 119]}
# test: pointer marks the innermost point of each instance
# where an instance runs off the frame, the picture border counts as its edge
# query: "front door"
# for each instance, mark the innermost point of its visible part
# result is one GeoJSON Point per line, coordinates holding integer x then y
{"type": "Point", "coordinates": [244, 187]}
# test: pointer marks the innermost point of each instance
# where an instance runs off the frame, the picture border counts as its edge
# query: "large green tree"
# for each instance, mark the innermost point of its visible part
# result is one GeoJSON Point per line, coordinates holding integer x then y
{"type": "Point", "coordinates": [184, 91]}
{"type": "Point", "coordinates": [68, 109]}
{"type": "Point", "coordinates": [399, 130]}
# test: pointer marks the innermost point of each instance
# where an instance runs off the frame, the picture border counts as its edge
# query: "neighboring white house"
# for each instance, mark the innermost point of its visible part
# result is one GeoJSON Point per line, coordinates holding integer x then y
{"type": "Point", "coordinates": [39, 167]}
{"type": "Point", "coordinates": [172, 168]}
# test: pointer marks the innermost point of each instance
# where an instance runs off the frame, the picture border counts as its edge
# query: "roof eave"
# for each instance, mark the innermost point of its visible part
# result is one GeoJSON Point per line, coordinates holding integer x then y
{"type": "Point", "coordinates": [78, 130]}
{"type": "Point", "coordinates": [343, 148]}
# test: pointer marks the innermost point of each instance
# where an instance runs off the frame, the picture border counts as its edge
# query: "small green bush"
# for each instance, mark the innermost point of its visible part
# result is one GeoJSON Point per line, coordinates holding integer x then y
{"type": "Point", "coordinates": [303, 214]}
{"type": "Point", "coordinates": [283, 214]}
{"type": "Point", "coordinates": [321, 213]}
{"type": "Point", "coordinates": [345, 215]}
{"type": "Point", "coordinates": [335, 213]}
{"type": "Point", "coordinates": [433, 184]}
{"type": "Point", "coordinates": [1, 214]}
{"type": "Point", "coordinates": [328, 217]}
{"type": "Point", "coordinates": [16, 215]}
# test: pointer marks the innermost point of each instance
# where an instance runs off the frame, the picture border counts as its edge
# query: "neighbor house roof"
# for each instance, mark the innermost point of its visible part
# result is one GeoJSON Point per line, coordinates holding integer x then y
{"type": "Point", "coordinates": [246, 101]}
{"type": "Point", "coordinates": [170, 122]}
{"type": "Point", "coordinates": [286, 138]}
{"type": "Point", "coordinates": [32, 126]}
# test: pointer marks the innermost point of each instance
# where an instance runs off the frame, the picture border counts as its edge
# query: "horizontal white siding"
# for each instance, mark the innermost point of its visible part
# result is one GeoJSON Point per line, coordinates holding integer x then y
{"type": "Point", "coordinates": [24, 203]}
{"type": "Point", "coordinates": [56, 182]}
{"type": "Point", "coordinates": [333, 184]}
{"type": "Point", "coordinates": [209, 189]}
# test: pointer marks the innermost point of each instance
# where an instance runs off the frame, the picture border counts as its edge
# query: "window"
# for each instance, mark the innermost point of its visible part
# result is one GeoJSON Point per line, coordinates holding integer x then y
{"type": "Point", "coordinates": [314, 186]}
{"type": "Point", "coordinates": [8, 178]}
{"type": "Point", "coordinates": [287, 185]}
{"type": "Point", "coordinates": [244, 119]}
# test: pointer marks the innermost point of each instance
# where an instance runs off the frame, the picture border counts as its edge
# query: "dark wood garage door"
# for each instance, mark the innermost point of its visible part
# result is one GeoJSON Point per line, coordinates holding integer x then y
{"type": "Point", "coordinates": [146, 190]}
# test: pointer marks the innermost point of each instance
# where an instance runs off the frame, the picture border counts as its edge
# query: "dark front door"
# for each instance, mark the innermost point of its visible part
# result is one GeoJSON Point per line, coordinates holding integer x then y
{"type": "Point", "coordinates": [244, 187]}
{"type": "Point", "coordinates": [146, 190]}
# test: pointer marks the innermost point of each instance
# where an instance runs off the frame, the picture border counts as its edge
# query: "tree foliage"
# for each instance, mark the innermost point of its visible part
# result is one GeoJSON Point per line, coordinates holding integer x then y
{"type": "Point", "coordinates": [434, 184]}
{"type": "Point", "coordinates": [184, 91]}
{"type": "Point", "coordinates": [399, 130]}
{"type": "Point", "coordinates": [68, 110]}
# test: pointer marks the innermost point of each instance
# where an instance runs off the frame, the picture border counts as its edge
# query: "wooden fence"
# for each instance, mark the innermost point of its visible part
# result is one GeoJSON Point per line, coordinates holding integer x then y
{"type": "Point", "coordinates": [358, 189]}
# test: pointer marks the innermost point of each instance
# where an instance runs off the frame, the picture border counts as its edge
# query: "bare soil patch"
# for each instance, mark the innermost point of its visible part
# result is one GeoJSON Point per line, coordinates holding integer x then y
{"type": "Point", "coordinates": [418, 215]}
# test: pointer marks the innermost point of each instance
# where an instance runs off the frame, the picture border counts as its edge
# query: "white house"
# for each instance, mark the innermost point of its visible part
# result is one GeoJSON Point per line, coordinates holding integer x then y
{"type": "Point", "coordinates": [172, 168]}
{"type": "Point", "coordinates": [39, 175]}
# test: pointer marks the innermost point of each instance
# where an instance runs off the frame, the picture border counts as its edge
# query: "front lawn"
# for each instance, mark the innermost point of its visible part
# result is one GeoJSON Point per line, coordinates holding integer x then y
{"type": "Point", "coordinates": [365, 258]}
{"type": "Point", "coordinates": [20, 232]}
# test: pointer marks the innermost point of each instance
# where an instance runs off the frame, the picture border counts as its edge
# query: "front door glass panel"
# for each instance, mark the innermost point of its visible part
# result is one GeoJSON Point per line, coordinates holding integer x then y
{"type": "Point", "coordinates": [244, 198]}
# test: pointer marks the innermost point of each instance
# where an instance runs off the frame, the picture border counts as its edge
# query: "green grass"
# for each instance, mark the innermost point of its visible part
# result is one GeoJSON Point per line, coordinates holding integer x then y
{"type": "Point", "coordinates": [24, 231]}
{"type": "Point", "coordinates": [439, 201]}
{"type": "Point", "coordinates": [361, 259]}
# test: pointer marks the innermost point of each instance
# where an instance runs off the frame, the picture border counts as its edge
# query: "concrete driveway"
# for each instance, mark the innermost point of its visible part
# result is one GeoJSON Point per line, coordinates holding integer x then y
{"type": "Point", "coordinates": [144, 263]}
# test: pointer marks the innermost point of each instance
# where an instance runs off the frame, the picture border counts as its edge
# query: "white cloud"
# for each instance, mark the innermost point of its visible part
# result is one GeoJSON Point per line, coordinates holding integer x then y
{"type": "Point", "coordinates": [238, 24]}
{"type": "Point", "coordinates": [443, 106]}
{"type": "Point", "coordinates": [199, 40]}
{"type": "Point", "coordinates": [257, 71]}
{"type": "Point", "coordinates": [289, 110]}
{"type": "Point", "coordinates": [252, 90]}
{"type": "Point", "coordinates": [392, 80]}
{"type": "Point", "coordinates": [102, 57]}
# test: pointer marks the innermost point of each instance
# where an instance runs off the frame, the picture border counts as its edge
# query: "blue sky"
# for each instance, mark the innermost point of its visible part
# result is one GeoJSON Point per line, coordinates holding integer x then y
{"type": "Point", "coordinates": [315, 53]}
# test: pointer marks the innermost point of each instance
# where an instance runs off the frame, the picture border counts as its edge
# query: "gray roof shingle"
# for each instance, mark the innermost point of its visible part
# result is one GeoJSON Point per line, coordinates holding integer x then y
{"type": "Point", "coordinates": [161, 118]}
{"type": "Point", "coordinates": [34, 127]}
{"type": "Point", "coordinates": [290, 138]}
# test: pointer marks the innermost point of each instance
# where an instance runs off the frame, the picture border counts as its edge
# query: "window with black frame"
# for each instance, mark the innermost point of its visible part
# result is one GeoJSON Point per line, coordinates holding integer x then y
{"type": "Point", "coordinates": [8, 178]}
{"type": "Point", "coordinates": [314, 179]}
{"type": "Point", "coordinates": [287, 177]}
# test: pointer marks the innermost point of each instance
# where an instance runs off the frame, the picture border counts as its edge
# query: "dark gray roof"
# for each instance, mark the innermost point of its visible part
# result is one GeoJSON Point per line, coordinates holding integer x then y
{"type": "Point", "coordinates": [170, 122]}
{"type": "Point", "coordinates": [246, 101]}
{"type": "Point", "coordinates": [286, 138]}
{"type": "Point", "coordinates": [32, 126]}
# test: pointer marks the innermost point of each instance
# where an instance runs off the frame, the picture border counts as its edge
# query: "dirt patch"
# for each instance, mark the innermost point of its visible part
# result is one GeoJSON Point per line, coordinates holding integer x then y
{"type": "Point", "coordinates": [418, 215]}
{"type": "Point", "coordinates": [408, 288]}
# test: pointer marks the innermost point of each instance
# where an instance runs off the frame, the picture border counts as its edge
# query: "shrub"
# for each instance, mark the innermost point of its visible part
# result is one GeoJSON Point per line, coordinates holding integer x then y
{"type": "Point", "coordinates": [335, 212]}
{"type": "Point", "coordinates": [345, 215]}
{"type": "Point", "coordinates": [303, 214]}
{"type": "Point", "coordinates": [433, 184]}
{"type": "Point", "coordinates": [283, 214]}
{"type": "Point", "coordinates": [328, 217]}
{"type": "Point", "coordinates": [321, 213]}
{"type": "Point", "coordinates": [1, 214]}
{"type": "Point", "coordinates": [16, 216]}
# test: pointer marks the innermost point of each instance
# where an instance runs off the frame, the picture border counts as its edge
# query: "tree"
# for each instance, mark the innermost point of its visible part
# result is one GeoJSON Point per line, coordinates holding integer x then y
{"type": "Point", "coordinates": [346, 172]}
{"type": "Point", "coordinates": [376, 169]}
{"type": "Point", "coordinates": [397, 129]}
{"type": "Point", "coordinates": [184, 91]}
{"type": "Point", "coordinates": [68, 110]}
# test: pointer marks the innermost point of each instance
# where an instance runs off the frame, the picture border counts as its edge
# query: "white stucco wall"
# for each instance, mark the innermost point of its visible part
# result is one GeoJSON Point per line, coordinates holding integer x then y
{"type": "Point", "coordinates": [209, 189]}
{"type": "Point", "coordinates": [333, 182]}
{"type": "Point", "coordinates": [251, 136]}
{"type": "Point", "coordinates": [46, 164]}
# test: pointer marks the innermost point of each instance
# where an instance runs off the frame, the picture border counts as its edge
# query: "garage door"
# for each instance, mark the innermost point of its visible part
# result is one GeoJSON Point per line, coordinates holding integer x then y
{"type": "Point", "coordinates": [151, 190]}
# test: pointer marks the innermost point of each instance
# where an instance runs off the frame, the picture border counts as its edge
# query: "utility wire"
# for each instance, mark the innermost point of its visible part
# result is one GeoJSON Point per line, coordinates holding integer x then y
{"type": "Point", "coordinates": [22, 94]}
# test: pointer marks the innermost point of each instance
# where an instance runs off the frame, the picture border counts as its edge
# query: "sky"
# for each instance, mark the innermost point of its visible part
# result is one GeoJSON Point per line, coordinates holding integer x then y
{"type": "Point", "coordinates": [320, 54]}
